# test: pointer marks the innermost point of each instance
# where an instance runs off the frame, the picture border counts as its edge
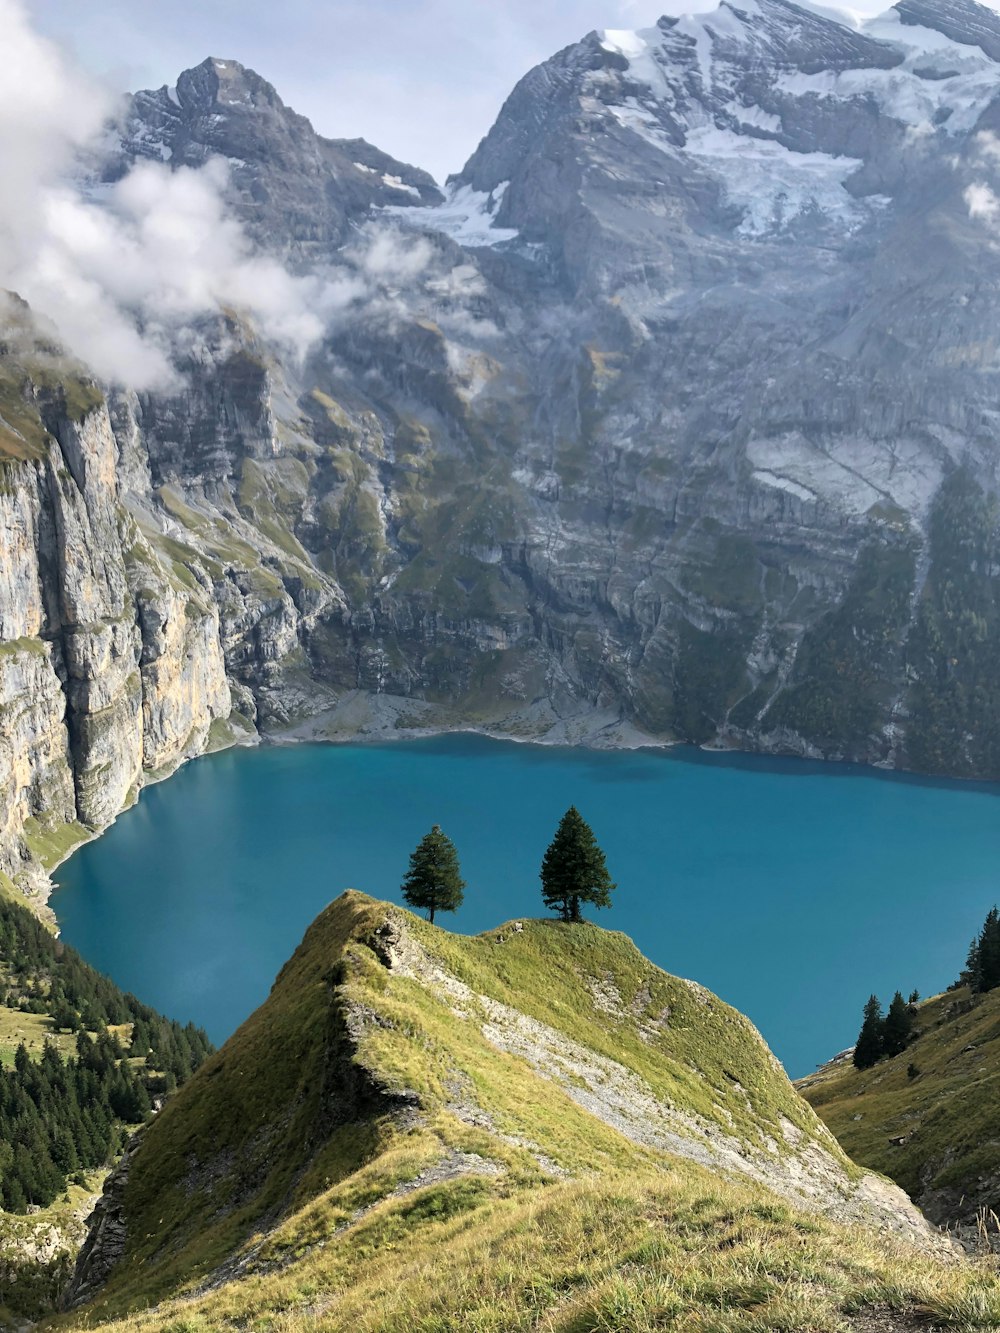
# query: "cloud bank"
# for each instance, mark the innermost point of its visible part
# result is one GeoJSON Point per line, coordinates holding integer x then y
{"type": "Point", "coordinates": [121, 271]}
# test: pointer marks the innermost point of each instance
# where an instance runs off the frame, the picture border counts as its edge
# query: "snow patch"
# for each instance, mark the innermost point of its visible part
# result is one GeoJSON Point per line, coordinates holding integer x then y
{"type": "Point", "coordinates": [783, 484]}
{"type": "Point", "coordinates": [397, 183]}
{"type": "Point", "coordinates": [851, 473]}
{"type": "Point", "coordinates": [755, 117]}
{"type": "Point", "coordinates": [623, 42]}
{"type": "Point", "coordinates": [634, 116]}
{"type": "Point", "coordinates": [639, 49]}
{"type": "Point", "coordinates": [848, 18]}
{"type": "Point", "coordinates": [773, 184]}
{"type": "Point", "coordinates": [172, 95]}
{"type": "Point", "coordinates": [466, 216]}
{"type": "Point", "coordinates": [940, 82]}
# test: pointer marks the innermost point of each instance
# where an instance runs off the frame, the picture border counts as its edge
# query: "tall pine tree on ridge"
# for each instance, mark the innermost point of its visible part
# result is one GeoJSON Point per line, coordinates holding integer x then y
{"type": "Point", "coordinates": [869, 1048]}
{"type": "Point", "coordinates": [897, 1030]}
{"type": "Point", "coordinates": [982, 971]}
{"type": "Point", "coordinates": [434, 881]}
{"type": "Point", "coordinates": [574, 870]}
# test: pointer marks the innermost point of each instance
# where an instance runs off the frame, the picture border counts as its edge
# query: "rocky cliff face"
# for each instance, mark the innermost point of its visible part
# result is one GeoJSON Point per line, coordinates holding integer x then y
{"type": "Point", "coordinates": [673, 417]}
{"type": "Point", "coordinates": [107, 672]}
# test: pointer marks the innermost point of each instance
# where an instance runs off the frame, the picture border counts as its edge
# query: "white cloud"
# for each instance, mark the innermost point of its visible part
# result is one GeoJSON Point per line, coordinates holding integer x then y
{"type": "Point", "coordinates": [988, 147]}
{"type": "Point", "coordinates": [390, 258]}
{"type": "Point", "coordinates": [47, 112]}
{"type": "Point", "coordinates": [157, 253]}
{"type": "Point", "coordinates": [120, 278]}
{"type": "Point", "coordinates": [983, 204]}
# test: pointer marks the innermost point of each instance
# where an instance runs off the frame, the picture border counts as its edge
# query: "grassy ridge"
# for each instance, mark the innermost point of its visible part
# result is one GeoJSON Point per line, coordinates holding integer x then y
{"type": "Point", "coordinates": [630, 1251]}
{"type": "Point", "coordinates": [373, 1151]}
{"type": "Point", "coordinates": [594, 986]}
{"type": "Point", "coordinates": [946, 1114]}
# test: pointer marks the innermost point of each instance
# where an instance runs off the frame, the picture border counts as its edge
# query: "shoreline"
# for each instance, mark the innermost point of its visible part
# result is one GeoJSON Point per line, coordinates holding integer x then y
{"type": "Point", "coordinates": [360, 718]}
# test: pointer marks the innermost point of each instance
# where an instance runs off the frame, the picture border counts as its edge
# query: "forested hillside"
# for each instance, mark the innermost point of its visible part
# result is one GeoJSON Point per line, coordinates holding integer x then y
{"type": "Point", "coordinates": [80, 1061]}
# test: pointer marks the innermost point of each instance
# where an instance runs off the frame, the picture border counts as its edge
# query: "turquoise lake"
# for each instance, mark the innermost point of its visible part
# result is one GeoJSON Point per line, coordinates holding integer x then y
{"type": "Point", "coordinates": [791, 889]}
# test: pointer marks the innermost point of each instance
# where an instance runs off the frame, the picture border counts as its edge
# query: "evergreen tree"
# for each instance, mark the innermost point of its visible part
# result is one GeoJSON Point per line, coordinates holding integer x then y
{"type": "Point", "coordinates": [982, 968]}
{"type": "Point", "coordinates": [970, 973]}
{"type": "Point", "coordinates": [140, 1039]}
{"type": "Point", "coordinates": [868, 1050]}
{"type": "Point", "coordinates": [574, 870]}
{"type": "Point", "coordinates": [14, 1198]}
{"type": "Point", "coordinates": [989, 953]}
{"type": "Point", "coordinates": [434, 880]}
{"type": "Point", "coordinates": [63, 1151]}
{"type": "Point", "coordinates": [897, 1030]}
{"type": "Point", "coordinates": [65, 1016]}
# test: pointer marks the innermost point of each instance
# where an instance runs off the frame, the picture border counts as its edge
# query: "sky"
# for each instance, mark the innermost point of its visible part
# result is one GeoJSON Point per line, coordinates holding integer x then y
{"type": "Point", "coordinates": [422, 79]}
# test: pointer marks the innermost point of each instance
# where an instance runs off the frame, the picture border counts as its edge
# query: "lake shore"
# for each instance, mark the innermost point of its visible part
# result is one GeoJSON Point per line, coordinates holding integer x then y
{"type": "Point", "coordinates": [783, 885]}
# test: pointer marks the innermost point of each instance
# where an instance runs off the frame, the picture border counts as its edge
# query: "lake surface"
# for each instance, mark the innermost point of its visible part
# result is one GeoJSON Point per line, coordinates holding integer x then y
{"type": "Point", "coordinates": [791, 889]}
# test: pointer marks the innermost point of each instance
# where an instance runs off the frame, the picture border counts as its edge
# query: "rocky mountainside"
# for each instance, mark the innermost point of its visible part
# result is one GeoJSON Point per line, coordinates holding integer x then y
{"type": "Point", "coordinates": [294, 189]}
{"type": "Point", "coordinates": [531, 1128]}
{"type": "Point", "coordinates": [927, 1118]}
{"type": "Point", "coordinates": [673, 417]}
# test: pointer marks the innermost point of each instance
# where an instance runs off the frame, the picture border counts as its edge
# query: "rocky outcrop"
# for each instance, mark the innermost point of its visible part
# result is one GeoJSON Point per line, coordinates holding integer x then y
{"type": "Point", "coordinates": [106, 1236]}
{"type": "Point", "coordinates": [37, 1254]}
{"type": "Point", "coordinates": [809, 1172]}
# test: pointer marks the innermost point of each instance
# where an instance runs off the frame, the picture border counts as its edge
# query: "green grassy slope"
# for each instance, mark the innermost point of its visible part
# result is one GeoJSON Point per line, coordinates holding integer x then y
{"type": "Point", "coordinates": [947, 1116]}
{"type": "Point", "coordinates": [531, 1129]}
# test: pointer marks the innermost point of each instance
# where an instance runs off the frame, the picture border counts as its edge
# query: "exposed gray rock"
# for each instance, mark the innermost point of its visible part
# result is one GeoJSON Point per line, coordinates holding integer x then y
{"type": "Point", "coordinates": [678, 422]}
{"type": "Point", "coordinates": [106, 1234]}
{"type": "Point", "coordinates": [294, 189]}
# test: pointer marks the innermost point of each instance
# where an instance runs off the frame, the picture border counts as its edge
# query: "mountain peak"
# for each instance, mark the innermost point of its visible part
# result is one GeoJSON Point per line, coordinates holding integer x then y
{"type": "Point", "coordinates": [293, 189]}
{"type": "Point", "coordinates": [225, 83]}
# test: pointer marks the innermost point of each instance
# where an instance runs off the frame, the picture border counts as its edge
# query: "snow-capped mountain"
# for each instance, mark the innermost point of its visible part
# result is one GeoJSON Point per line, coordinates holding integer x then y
{"type": "Point", "coordinates": [674, 415]}
{"type": "Point", "coordinates": [764, 115]}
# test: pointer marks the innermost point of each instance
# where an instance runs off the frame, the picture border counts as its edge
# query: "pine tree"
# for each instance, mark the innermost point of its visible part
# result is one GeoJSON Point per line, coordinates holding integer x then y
{"type": "Point", "coordinates": [574, 870]}
{"type": "Point", "coordinates": [434, 880]}
{"type": "Point", "coordinates": [14, 1198]}
{"type": "Point", "coordinates": [897, 1030]}
{"type": "Point", "coordinates": [970, 973]}
{"type": "Point", "coordinates": [982, 968]}
{"type": "Point", "coordinates": [868, 1050]}
{"type": "Point", "coordinates": [63, 1151]}
{"type": "Point", "coordinates": [140, 1039]}
{"type": "Point", "coordinates": [989, 953]}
